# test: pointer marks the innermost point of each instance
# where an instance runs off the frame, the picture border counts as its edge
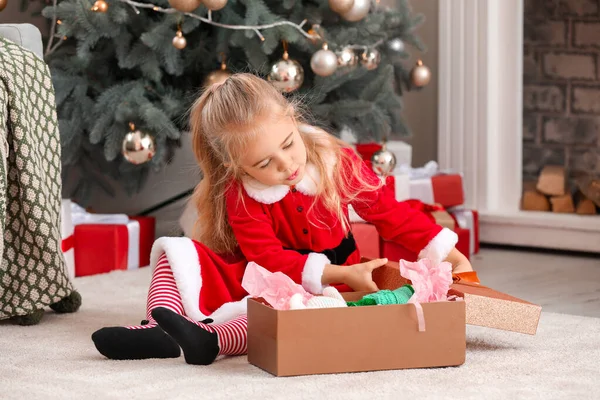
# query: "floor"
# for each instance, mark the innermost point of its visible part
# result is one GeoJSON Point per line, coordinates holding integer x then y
{"type": "Point", "coordinates": [559, 282]}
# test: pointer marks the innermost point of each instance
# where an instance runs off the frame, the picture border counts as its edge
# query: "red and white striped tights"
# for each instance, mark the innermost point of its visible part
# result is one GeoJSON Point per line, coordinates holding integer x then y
{"type": "Point", "coordinates": [163, 292]}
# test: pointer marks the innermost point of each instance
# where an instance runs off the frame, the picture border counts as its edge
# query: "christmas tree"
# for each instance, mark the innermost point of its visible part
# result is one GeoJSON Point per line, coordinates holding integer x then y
{"type": "Point", "coordinates": [126, 72]}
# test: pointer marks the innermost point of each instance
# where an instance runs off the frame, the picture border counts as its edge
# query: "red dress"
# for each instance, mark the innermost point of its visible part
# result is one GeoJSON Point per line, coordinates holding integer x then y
{"type": "Point", "coordinates": [271, 224]}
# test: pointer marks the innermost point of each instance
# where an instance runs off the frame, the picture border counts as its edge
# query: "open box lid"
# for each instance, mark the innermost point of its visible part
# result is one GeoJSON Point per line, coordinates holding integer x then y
{"type": "Point", "coordinates": [484, 306]}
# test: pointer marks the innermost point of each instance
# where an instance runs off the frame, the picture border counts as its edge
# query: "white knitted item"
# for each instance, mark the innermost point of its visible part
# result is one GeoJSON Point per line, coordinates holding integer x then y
{"type": "Point", "coordinates": [331, 298]}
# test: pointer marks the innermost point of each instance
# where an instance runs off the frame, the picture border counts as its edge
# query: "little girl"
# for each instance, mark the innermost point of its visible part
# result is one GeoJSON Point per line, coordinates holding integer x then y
{"type": "Point", "coordinates": [275, 191]}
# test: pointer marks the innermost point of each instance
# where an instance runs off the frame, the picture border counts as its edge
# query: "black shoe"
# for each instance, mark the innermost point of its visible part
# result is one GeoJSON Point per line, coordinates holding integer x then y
{"type": "Point", "coordinates": [119, 343]}
{"type": "Point", "coordinates": [200, 347]}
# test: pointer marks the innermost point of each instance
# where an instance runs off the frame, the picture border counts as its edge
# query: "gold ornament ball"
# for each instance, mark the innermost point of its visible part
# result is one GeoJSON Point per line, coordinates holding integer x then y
{"type": "Point", "coordinates": [371, 59]}
{"type": "Point", "coordinates": [286, 75]}
{"type": "Point", "coordinates": [420, 75]}
{"type": "Point", "coordinates": [383, 162]}
{"type": "Point", "coordinates": [359, 10]}
{"type": "Point", "coordinates": [214, 5]}
{"type": "Point", "coordinates": [185, 5]}
{"type": "Point", "coordinates": [324, 62]}
{"type": "Point", "coordinates": [3, 4]}
{"type": "Point", "coordinates": [138, 147]}
{"type": "Point", "coordinates": [100, 6]}
{"type": "Point", "coordinates": [218, 76]}
{"type": "Point", "coordinates": [179, 41]}
{"type": "Point", "coordinates": [341, 6]}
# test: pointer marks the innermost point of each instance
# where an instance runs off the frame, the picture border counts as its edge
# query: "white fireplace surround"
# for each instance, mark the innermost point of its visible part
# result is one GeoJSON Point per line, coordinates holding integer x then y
{"type": "Point", "coordinates": [480, 125]}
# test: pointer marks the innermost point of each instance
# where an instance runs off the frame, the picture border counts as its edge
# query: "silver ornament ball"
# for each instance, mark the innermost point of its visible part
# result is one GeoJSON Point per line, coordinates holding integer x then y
{"type": "Point", "coordinates": [347, 57]}
{"type": "Point", "coordinates": [138, 147]}
{"type": "Point", "coordinates": [383, 162]}
{"type": "Point", "coordinates": [359, 10]}
{"type": "Point", "coordinates": [420, 75]}
{"type": "Point", "coordinates": [286, 75]}
{"type": "Point", "coordinates": [371, 59]}
{"type": "Point", "coordinates": [324, 62]}
{"type": "Point", "coordinates": [341, 6]}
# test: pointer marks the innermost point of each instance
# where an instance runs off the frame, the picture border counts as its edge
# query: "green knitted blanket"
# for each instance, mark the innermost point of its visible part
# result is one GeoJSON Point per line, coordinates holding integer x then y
{"type": "Point", "coordinates": [32, 269]}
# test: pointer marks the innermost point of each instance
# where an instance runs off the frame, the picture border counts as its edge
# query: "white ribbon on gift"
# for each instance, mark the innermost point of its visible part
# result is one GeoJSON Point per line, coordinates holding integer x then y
{"type": "Point", "coordinates": [425, 172]}
{"type": "Point", "coordinates": [465, 220]}
{"type": "Point", "coordinates": [81, 217]}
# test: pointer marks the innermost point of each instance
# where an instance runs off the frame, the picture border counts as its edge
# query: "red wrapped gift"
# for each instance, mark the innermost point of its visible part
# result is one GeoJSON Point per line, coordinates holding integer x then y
{"type": "Point", "coordinates": [468, 219]}
{"type": "Point", "coordinates": [101, 248]}
{"type": "Point", "coordinates": [394, 252]}
{"type": "Point", "coordinates": [367, 239]}
{"type": "Point", "coordinates": [444, 189]}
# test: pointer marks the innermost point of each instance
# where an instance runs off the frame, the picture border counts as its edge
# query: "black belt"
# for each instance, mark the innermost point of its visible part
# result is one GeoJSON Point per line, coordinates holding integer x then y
{"type": "Point", "coordinates": [339, 254]}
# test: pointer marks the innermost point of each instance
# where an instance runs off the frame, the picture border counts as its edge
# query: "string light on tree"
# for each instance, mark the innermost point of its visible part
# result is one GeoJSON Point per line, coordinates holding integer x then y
{"type": "Point", "coordinates": [185, 5]}
{"type": "Point", "coordinates": [347, 57]}
{"type": "Point", "coordinates": [341, 6]}
{"type": "Point", "coordinates": [218, 76]}
{"type": "Point", "coordinates": [396, 45]}
{"type": "Point", "coordinates": [324, 62]}
{"type": "Point", "coordinates": [138, 147]}
{"type": "Point", "coordinates": [179, 41]}
{"type": "Point", "coordinates": [359, 10]}
{"type": "Point", "coordinates": [371, 59]}
{"type": "Point", "coordinates": [100, 6]}
{"type": "Point", "coordinates": [420, 75]}
{"type": "Point", "coordinates": [286, 75]}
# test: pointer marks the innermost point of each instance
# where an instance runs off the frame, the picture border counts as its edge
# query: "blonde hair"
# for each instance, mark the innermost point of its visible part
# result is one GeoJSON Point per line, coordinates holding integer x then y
{"type": "Point", "coordinates": [223, 121]}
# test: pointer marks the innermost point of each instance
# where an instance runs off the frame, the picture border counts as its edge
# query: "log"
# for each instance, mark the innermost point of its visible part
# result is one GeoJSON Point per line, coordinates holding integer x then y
{"type": "Point", "coordinates": [552, 180]}
{"type": "Point", "coordinates": [586, 207]}
{"type": "Point", "coordinates": [534, 201]}
{"type": "Point", "coordinates": [562, 204]}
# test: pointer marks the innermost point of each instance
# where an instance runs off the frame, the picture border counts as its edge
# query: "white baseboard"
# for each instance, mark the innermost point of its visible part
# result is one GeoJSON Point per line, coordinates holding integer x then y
{"type": "Point", "coordinates": [542, 229]}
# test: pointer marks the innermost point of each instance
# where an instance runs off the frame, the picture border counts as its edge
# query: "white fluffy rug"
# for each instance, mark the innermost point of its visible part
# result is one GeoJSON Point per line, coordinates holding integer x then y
{"type": "Point", "coordinates": [57, 360]}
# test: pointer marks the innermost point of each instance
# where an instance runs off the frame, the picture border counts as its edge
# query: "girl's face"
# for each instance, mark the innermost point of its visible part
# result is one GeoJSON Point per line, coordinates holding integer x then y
{"type": "Point", "coordinates": [277, 156]}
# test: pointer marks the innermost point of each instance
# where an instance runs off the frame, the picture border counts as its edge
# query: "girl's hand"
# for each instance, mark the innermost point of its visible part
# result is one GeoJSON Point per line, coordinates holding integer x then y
{"type": "Point", "coordinates": [358, 276]}
{"type": "Point", "coordinates": [459, 262]}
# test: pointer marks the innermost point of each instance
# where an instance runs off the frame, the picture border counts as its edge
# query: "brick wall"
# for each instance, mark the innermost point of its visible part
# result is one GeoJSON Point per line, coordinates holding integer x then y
{"type": "Point", "coordinates": [561, 86]}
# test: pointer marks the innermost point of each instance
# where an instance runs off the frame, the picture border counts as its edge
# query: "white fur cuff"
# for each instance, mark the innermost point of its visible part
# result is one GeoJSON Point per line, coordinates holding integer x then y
{"type": "Point", "coordinates": [440, 246]}
{"type": "Point", "coordinates": [313, 272]}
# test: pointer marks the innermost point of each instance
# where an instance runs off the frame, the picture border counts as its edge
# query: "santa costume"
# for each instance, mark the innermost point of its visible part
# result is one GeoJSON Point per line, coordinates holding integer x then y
{"type": "Point", "coordinates": [280, 229]}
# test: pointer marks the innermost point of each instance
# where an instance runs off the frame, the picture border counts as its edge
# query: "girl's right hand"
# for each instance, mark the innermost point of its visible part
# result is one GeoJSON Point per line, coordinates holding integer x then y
{"type": "Point", "coordinates": [360, 276]}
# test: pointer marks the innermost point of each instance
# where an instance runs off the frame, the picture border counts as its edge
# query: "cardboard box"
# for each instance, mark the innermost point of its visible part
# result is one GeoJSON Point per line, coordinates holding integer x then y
{"type": "Point", "coordinates": [292, 342]}
{"type": "Point", "coordinates": [484, 306]}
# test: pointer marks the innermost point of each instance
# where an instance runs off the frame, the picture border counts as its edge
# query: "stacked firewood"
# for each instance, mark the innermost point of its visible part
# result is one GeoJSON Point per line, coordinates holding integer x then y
{"type": "Point", "coordinates": [551, 192]}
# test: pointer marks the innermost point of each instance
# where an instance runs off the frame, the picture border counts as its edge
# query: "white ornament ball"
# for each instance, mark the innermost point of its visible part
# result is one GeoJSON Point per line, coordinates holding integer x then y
{"type": "Point", "coordinates": [341, 6]}
{"type": "Point", "coordinates": [359, 10]}
{"type": "Point", "coordinates": [324, 62]}
{"type": "Point", "coordinates": [420, 75]}
{"type": "Point", "coordinates": [214, 5]}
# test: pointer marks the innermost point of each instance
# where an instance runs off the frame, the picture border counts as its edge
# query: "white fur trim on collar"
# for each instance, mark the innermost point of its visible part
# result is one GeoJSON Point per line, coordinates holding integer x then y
{"type": "Point", "coordinates": [272, 194]}
{"type": "Point", "coordinates": [183, 259]}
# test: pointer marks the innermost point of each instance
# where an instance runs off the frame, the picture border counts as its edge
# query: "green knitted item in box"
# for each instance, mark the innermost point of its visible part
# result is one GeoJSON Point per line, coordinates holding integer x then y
{"type": "Point", "coordinates": [384, 297]}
